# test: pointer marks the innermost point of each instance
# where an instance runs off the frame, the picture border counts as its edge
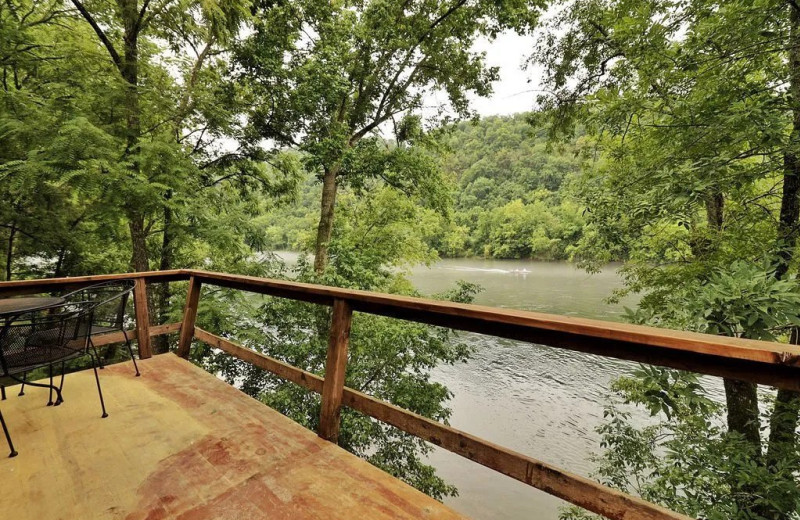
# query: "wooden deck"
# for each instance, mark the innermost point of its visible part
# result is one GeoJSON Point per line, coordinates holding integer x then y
{"type": "Point", "coordinates": [179, 443]}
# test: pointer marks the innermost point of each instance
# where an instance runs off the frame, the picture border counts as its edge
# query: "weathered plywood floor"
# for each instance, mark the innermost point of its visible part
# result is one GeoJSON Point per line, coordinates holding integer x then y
{"type": "Point", "coordinates": [179, 443]}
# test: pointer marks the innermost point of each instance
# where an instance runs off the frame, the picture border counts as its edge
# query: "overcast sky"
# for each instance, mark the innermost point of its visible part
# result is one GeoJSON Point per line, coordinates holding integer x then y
{"type": "Point", "coordinates": [515, 91]}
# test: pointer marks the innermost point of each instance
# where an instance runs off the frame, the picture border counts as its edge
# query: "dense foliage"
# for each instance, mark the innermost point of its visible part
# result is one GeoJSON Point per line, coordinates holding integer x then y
{"type": "Point", "coordinates": [72, 181]}
{"type": "Point", "coordinates": [510, 191]}
{"type": "Point", "coordinates": [693, 112]}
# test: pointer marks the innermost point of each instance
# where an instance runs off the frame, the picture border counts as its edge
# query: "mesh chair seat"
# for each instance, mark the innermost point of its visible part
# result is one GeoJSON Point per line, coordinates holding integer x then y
{"type": "Point", "coordinates": [35, 357]}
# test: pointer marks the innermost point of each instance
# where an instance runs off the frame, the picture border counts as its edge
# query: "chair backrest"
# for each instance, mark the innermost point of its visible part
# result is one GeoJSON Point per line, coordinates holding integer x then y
{"type": "Point", "coordinates": [109, 300]}
{"type": "Point", "coordinates": [38, 338]}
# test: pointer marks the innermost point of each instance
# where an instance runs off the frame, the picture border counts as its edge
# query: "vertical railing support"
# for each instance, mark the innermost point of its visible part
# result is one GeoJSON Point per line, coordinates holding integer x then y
{"type": "Point", "coordinates": [142, 318]}
{"type": "Point", "coordinates": [335, 367]}
{"type": "Point", "coordinates": [189, 317]}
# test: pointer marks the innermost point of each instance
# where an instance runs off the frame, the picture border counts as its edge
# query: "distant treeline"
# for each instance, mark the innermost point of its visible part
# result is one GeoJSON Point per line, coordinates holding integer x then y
{"type": "Point", "coordinates": [511, 195]}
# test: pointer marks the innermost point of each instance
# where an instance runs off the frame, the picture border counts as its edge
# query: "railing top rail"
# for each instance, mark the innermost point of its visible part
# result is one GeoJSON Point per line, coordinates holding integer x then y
{"type": "Point", "coordinates": [17, 287]}
{"type": "Point", "coordinates": [382, 303]}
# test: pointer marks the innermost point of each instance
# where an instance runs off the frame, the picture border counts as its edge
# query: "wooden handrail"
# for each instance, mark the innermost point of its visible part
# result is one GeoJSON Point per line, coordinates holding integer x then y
{"type": "Point", "coordinates": [39, 285]}
{"type": "Point", "coordinates": [762, 362]}
{"type": "Point", "coordinates": [510, 323]}
{"type": "Point", "coordinates": [774, 364]}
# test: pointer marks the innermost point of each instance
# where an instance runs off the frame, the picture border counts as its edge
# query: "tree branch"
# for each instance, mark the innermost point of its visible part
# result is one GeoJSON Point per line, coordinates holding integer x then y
{"type": "Point", "coordinates": [100, 34]}
{"type": "Point", "coordinates": [141, 15]}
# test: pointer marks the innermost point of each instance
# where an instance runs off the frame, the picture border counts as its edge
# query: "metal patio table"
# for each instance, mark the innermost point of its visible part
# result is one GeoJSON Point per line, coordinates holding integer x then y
{"type": "Point", "coordinates": [11, 306]}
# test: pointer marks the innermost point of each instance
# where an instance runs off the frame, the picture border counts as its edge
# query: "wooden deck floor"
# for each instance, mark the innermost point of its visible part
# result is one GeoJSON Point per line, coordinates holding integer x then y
{"type": "Point", "coordinates": [179, 443]}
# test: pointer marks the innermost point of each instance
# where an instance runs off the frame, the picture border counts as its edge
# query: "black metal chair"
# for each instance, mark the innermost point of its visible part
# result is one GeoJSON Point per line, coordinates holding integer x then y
{"type": "Point", "coordinates": [110, 300]}
{"type": "Point", "coordinates": [42, 338]}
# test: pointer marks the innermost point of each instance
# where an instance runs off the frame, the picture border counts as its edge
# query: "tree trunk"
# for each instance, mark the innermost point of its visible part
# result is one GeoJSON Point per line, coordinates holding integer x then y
{"type": "Point", "coordinates": [129, 70]}
{"type": "Point", "coordinates": [783, 422]}
{"type": "Point", "coordinates": [325, 228]}
{"type": "Point", "coordinates": [58, 272]}
{"type": "Point", "coordinates": [741, 398]}
{"type": "Point", "coordinates": [781, 455]}
{"type": "Point", "coordinates": [10, 252]}
{"type": "Point", "coordinates": [139, 260]}
{"type": "Point", "coordinates": [161, 344]}
{"type": "Point", "coordinates": [742, 403]}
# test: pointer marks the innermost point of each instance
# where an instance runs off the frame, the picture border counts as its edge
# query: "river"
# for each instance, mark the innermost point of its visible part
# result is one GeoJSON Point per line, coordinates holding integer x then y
{"type": "Point", "coordinates": [541, 401]}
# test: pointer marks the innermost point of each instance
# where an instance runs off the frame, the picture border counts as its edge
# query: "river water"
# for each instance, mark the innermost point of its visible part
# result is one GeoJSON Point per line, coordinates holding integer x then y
{"type": "Point", "coordinates": [541, 401]}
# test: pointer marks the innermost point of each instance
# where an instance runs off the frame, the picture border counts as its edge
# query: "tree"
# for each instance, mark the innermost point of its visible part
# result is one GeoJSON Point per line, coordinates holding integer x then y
{"type": "Point", "coordinates": [351, 68]}
{"type": "Point", "coordinates": [200, 26]}
{"type": "Point", "coordinates": [94, 187]}
{"type": "Point", "coordinates": [695, 109]}
{"type": "Point", "coordinates": [485, 166]}
{"type": "Point", "coordinates": [53, 156]}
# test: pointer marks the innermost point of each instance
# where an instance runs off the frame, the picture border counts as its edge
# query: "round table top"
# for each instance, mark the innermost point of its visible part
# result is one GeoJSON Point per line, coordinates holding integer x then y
{"type": "Point", "coordinates": [14, 305]}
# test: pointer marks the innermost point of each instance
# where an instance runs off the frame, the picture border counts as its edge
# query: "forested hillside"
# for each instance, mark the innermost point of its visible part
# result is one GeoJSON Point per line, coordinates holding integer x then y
{"type": "Point", "coordinates": [512, 191]}
{"type": "Point", "coordinates": [511, 195]}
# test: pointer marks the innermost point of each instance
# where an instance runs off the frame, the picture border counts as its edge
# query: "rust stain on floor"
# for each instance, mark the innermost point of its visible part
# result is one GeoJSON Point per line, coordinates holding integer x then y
{"type": "Point", "coordinates": [181, 444]}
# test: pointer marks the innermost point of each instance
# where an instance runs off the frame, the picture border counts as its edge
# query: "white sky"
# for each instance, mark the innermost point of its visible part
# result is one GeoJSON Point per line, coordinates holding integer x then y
{"type": "Point", "coordinates": [516, 89]}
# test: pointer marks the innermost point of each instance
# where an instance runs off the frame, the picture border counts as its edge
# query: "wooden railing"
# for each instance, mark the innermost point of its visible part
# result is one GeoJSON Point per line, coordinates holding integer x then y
{"type": "Point", "coordinates": [748, 360]}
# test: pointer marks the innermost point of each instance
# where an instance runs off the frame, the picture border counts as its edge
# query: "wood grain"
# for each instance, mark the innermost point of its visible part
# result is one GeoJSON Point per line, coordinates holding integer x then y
{"type": "Point", "coordinates": [775, 364]}
{"type": "Point", "coordinates": [575, 489]}
{"type": "Point", "coordinates": [181, 444]}
{"type": "Point", "coordinates": [189, 317]}
{"type": "Point", "coordinates": [279, 368]}
{"type": "Point", "coordinates": [335, 368]}
{"type": "Point", "coordinates": [142, 312]}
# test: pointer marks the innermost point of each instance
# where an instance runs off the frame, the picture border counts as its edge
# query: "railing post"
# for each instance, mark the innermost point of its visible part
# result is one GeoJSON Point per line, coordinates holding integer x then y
{"type": "Point", "coordinates": [142, 318]}
{"type": "Point", "coordinates": [189, 317]}
{"type": "Point", "coordinates": [335, 367]}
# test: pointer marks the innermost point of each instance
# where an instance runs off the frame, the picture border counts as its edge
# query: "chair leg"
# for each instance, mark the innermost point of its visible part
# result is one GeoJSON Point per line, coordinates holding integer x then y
{"type": "Point", "coordinates": [8, 437]}
{"type": "Point", "coordinates": [40, 385]}
{"type": "Point", "coordinates": [22, 388]}
{"type": "Point", "coordinates": [61, 386]}
{"type": "Point", "coordinates": [130, 351]}
{"type": "Point", "coordinates": [95, 362]}
{"type": "Point", "coordinates": [50, 400]}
